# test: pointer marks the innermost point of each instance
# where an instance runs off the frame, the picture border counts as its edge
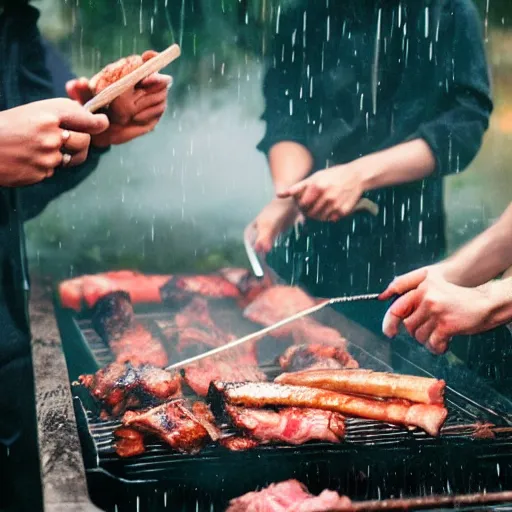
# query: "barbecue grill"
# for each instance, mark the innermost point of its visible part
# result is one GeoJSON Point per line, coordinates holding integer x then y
{"type": "Point", "coordinates": [376, 461]}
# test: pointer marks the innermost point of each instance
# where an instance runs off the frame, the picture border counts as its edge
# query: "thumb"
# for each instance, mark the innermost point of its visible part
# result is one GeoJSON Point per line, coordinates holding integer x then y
{"type": "Point", "coordinates": [292, 191]}
{"type": "Point", "coordinates": [76, 118]}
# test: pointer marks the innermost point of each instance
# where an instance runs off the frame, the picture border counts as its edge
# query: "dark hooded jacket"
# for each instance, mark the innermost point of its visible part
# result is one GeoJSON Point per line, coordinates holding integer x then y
{"type": "Point", "coordinates": [350, 78]}
{"type": "Point", "coordinates": [30, 70]}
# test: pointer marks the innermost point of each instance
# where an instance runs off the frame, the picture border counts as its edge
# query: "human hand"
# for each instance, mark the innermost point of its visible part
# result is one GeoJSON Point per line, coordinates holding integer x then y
{"type": "Point", "coordinates": [275, 218]}
{"type": "Point", "coordinates": [330, 194]}
{"type": "Point", "coordinates": [38, 137]}
{"type": "Point", "coordinates": [434, 310]}
{"type": "Point", "coordinates": [134, 113]}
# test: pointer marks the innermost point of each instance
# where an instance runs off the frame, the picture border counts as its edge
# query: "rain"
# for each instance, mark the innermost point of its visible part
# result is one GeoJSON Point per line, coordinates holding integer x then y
{"type": "Point", "coordinates": [341, 83]}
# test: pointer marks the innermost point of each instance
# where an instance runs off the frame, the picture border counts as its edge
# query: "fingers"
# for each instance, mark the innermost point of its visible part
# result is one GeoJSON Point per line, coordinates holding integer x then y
{"type": "Point", "coordinates": [423, 332]}
{"type": "Point", "coordinates": [294, 190]}
{"type": "Point", "coordinates": [400, 309]}
{"type": "Point", "coordinates": [74, 117]}
{"type": "Point", "coordinates": [79, 90]}
{"type": "Point", "coordinates": [155, 83]}
{"type": "Point", "coordinates": [149, 54]}
{"type": "Point", "coordinates": [405, 283]}
{"type": "Point", "coordinates": [151, 100]}
{"type": "Point", "coordinates": [76, 148]}
{"type": "Point", "coordinates": [417, 319]}
{"type": "Point", "coordinates": [438, 343]}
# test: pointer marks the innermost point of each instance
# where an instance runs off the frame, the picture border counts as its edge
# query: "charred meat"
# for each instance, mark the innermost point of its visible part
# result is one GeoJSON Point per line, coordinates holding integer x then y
{"type": "Point", "coordinates": [289, 496]}
{"type": "Point", "coordinates": [238, 443]}
{"type": "Point", "coordinates": [264, 394]}
{"type": "Point", "coordinates": [313, 357]}
{"type": "Point", "coordinates": [249, 285]}
{"type": "Point", "coordinates": [370, 383]}
{"type": "Point", "coordinates": [119, 387]}
{"type": "Point", "coordinates": [175, 424]}
{"type": "Point", "coordinates": [129, 442]}
{"type": "Point", "coordinates": [129, 341]}
{"type": "Point", "coordinates": [289, 425]}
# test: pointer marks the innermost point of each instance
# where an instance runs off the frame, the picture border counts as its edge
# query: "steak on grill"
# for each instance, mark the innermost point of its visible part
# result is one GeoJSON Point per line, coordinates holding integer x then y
{"type": "Point", "coordinates": [370, 383]}
{"type": "Point", "coordinates": [315, 356]}
{"type": "Point", "coordinates": [174, 423]}
{"type": "Point", "coordinates": [264, 394]}
{"type": "Point", "coordinates": [289, 425]}
{"type": "Point", "coordinates": [279, 302]}
{"type": "Point", "coordinates": [119, 387]}
{"type": "Point", "coordinates": [289, 496]}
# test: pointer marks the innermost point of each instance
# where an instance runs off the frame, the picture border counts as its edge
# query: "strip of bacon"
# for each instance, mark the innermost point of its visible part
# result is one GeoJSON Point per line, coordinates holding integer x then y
{"type": "Point", "coordinates": [290, 425]}
{"type": "Point", "coordinates": [369, 383]}
{"type": "Point", "coordinates": [263, 394]}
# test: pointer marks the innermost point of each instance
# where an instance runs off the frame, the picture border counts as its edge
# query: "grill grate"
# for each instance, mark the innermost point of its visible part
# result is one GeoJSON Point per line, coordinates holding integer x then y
{"type": "Point", "coordinates": [464, 420]}
{"type": "Point", "coordinates": [376, 460]}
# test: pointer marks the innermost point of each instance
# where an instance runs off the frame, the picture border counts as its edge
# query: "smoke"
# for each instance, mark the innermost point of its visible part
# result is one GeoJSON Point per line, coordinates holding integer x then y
{"type": "Point", "coordinates": [198, 175]}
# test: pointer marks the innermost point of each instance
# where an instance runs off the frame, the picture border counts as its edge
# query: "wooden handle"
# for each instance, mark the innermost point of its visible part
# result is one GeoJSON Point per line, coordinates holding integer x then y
{"type": "Point", "coordinates": [115, 90]}
{"type": "Point", "coordinates": [369, 206]}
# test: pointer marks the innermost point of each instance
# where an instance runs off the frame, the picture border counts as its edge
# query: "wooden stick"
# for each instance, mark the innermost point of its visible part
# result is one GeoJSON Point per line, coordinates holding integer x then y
{"type": "Point", "coordinates": [115, 90]}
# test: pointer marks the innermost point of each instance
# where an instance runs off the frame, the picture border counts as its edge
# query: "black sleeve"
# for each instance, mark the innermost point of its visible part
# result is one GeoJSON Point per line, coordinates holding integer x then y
{"type": "Point", "coordinates": [456, 135]}
{"type": "Point", "coordinates": [35, 198]}
{"type": "Point", "coordinates": [285, 108]}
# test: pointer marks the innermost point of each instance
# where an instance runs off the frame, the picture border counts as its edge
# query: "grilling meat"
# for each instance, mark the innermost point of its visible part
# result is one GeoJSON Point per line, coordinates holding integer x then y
{"type": "Point", "coordinates": [290, 425]}
{"type": "Point", "coordinates": [314, 357]}
{"type": "Point", "coordinates": [128, 442]}
{"type": "Point", "coordinates": [263, 394]}
{"type": "Point", "coordinates": [236, 367]}
{"type": "Point", "coordinates": [238, 443]}
{"type": "Point", "coordinates": [119, 387]}
{"type": "Point", "coordinates": [369, 383]}
{"type": "Point", "coordinates": [279, 302]}
{"type": "Point", "coordinates": [117, 70]}
{"type": "Point", "coordinates": [174, 423]}
{"type": "Point", "coordinates": [89, 289]}
{"type": "Point", "coordinates": [181, 289]}
{"type": "Point", "coordinates": [129, 341]}
{"type": "Point", "coordinates": [289, 496]}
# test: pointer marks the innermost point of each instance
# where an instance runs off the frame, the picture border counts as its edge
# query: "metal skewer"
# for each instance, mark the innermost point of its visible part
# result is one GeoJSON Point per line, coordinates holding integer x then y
{"type": "Point", "coordinates": [270, 328]}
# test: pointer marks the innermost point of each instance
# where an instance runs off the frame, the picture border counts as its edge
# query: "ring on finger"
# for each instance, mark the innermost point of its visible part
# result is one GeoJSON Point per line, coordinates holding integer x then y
{"type": "Point", "coordinates": [66, 158]}
{"type": "Point", "coordinates": [65, 137]}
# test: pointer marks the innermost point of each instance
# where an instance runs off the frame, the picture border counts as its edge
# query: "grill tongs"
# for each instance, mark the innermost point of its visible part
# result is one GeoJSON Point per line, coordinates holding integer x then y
{"type": "Point", "coordinates": [258, 271]}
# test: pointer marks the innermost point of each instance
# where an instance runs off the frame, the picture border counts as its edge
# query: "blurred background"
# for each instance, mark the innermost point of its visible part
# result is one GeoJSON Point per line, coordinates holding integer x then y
{"type": "Point", "coordinates": [179, 198]}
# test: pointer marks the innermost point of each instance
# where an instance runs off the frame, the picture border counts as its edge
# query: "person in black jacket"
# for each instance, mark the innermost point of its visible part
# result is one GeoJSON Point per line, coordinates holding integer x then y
{"type": "Point", "coordinates": [368, 98]}
{"type": "Point", "coordinates": [47, 147]}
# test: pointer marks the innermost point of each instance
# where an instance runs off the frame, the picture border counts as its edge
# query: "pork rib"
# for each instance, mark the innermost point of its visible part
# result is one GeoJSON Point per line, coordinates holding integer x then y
{"type": "Point", "coordinates": [262, 394]}
{"type": "Point", "coordinates": [290, 425]}
{"type": "Point", "coordinates": [175, 424]}
{"type": "Point", "coordinates": [370, 383]}
{"type": "Point", "coordinates": [289, 496]}
{"type": "Point", "coordinates": [129, 442]}
{"type": "Point", "coordinates": [119, 387]}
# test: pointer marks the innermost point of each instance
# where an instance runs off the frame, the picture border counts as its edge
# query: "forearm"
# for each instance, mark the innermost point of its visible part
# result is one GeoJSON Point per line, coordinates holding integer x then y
{"type": "Point", "coordinates": [484, 258]}
{"type": "Point", "coordinates": [289, 162]}
{"type": "Point", "coordinates": [499, 300]}
{"type": "Point", "coordinates": [407, 162]}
